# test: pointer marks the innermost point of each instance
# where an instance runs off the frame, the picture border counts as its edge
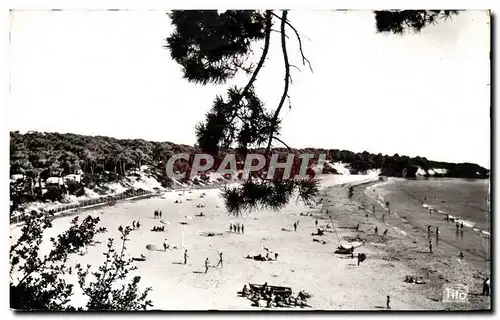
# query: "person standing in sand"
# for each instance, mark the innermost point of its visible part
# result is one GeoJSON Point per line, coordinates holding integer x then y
{"type": "Point", "coordinates": [206, 265]}
{"type": "Point", "coordinates": [138, 225]}
{"type": "Point", "coordinates": [385, 233]}
{"type": "Point", "coordinates": [316, 223]}
{"type": "Point", "coordinates": [376, 231]}
{"type": "Point", "coordinates": [220, 260]}
{"type": "Point", "coordinates": [165, 245]}
{"type": "Point", "coordinates": [437, 232]}
{"type": "Point", "coordinates": [457, 225]}
{"type": "Point", "coordinates": [242, 228]}
{"type": "Point", "coordinates": [373, 209]}
{"type": "Point", "coordinates": [230, 227]}
{"type": "Point", "coordinates": [295, 226]}
{"type": "Point", "coordinates": [388, 302]}
{"type": "Point", "coordinates": [160, 213]}
{"type": "Point", "coordinates": [185, 256]}
{"type": "Point", "coordinates": [238, 228]}
{"type": "Point", "coordinates": [430, 246]}
{"type": "Point", "coordinates": [133, 224]}
{"type": "Point", "coordinates": [486, 287]}
{"type": "Point", "coordinates": [462, 225]}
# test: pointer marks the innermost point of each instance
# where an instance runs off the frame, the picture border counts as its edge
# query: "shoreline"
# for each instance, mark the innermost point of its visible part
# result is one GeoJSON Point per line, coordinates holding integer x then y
{"type": "Point", "coordinates": [335, 281]}
{"type": "Point", "coordinates": [407, 244]}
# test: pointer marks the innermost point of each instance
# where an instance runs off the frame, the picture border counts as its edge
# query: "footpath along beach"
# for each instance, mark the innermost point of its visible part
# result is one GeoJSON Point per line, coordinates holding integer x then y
{"type": "Point", "coordinates": [334, 281]}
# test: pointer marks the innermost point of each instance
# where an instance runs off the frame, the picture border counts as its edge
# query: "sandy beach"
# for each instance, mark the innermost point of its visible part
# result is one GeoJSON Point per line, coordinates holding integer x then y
{"type": "Point", "coordinates": [335, 281]}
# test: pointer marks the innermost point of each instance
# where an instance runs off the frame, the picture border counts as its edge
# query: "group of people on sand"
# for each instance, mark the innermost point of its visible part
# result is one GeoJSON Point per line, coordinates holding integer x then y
{"type": "Point", "coordinates": [267, 257]}
{"type": "Point", "coordinates": [219, 263]}
{"type": "Point", "coordinates": [411, 279]}
{"type": "Point", "coordinates": [158, 214]}
{"type": "Point", "coordinates": [237, 228]}
{"type": "Point", "coordinates": [136, 225]}
{"type": "Point", "coordinates": [158, 229]}
{"type": "Point", "coordinates": [375, 233]}
{"type": "Point", "coordinates": [273, 298]}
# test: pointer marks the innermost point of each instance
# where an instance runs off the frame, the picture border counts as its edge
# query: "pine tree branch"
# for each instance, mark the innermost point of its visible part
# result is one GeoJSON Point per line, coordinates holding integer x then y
{"type": "Point", "coordinates": [278, 139]}
{"type": "Point", "coordinates": [299, 39]}
{"type": "Point", "coordinates": [287, 80]}
{"type": "Point", "coordinates": [261, 61]}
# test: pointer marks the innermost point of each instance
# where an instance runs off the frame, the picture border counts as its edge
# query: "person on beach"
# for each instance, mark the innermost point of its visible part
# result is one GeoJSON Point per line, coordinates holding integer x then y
{"type": "Point", "coordinates": [447, 218]}
{"type": "Point", "coordinates": [220, 260]}
{"type": "Point", "coordinates": [242, 228]}
{"type": "Point", "coordinates": [462, 225]}
{"type": "Point", "coordinates": [185, 256]}
{"type": "Point", "coordinates": [230, 227]}
{"type": "Point", "coordinates": [206, 265]}
{"type": "Point", "coordinates": [316, 223]}
{"type": "Point", "coordinates": [357, 226]}
{"type": "Point", "coordinates": [160, 213]}
{"type": "Point", "coordinates": [138, 225]}
{"type": "Point", "coordinates": [428, 231]}
{"type": "Point", "coordinates": [388, 302]}
{"type": "Point", "coordinates": [295, 226]}
{"type": "Point", "coordinates": [165, 245]}
{"type": "Point", "coordinates": [430, 246]}
{"type": "Point", "coordinates": [133, 224]}
{"type": "Point", "coordinates": [457, 225]}
{"type": "Point", "coordinates": [461, 255]}
{"type": "Point", "coordinates": [385, 233]}
{"type": "Point", "coordinates": [373, 210]}
{"type": "Point", "coordinates": [376, 231]}
{"type": "Point", "coordinates": [430, 211]}
{"type": "Point", "coordinates": [383, 216]}
{"type": "Point", "coordinates": [238, 228]}
{"type": "Point", "coordinates": [486, 287]}
{"type": "Point", "coordinates": [275, 256]}
{"type": "Point", "coordinates": [437, 232]}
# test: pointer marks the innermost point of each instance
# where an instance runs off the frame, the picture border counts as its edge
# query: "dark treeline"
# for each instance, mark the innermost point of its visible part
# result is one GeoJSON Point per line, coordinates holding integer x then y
{"type": "Point", "coordinates": [39, 156]}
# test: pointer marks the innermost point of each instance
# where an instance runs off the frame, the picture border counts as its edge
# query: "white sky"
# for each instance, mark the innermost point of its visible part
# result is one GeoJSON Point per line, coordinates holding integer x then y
{"type": "Point", "coordinates": [106, 73]}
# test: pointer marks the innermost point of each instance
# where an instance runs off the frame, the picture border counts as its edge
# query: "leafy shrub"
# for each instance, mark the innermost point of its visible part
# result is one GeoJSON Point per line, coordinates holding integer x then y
{"type": "Point", "coordinates": [53, 193]}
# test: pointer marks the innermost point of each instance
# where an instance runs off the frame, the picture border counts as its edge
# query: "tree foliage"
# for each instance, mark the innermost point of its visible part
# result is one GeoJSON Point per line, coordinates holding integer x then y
{"type": "Point", "coordinates": [39, 282]}
{"type": "Point", "coordinates": [239, 119]}
{"type": "Point", "coordinates": [212, 47]}
{"type": "Point", "coordinates": [102, 293]}
{"type": "Point", "coordinates": [399, 21]}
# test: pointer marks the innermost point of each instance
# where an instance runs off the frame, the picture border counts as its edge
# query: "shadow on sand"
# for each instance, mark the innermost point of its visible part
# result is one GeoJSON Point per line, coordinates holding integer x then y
{"type": "Point", "coordinates": [199, 272]}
